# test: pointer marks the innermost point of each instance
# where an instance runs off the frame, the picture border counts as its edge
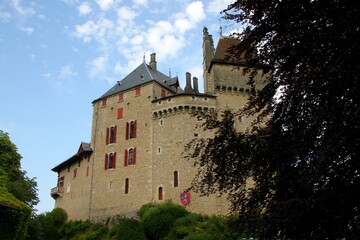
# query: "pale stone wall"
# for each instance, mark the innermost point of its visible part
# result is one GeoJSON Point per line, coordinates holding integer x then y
{"type": "Point", "coordinates": [74, 196]}
{"type": "Point", "coordinates": [108, 195]}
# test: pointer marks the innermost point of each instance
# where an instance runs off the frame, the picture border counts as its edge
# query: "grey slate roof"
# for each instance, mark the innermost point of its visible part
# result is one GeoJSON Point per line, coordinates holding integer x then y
{"type": "Point", "coordinates": [85, 148]}
{"type": "Point", "coordinates": [141, 75]}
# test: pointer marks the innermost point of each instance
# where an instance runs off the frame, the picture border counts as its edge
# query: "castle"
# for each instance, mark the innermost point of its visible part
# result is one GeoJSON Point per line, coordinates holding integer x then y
{"type": "Point", "coordinates": [139, 130]}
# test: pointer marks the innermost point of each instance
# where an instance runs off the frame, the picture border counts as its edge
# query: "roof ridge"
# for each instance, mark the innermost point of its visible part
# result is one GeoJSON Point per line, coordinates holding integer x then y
{"type": "Point", "coordinates": [148, 71]}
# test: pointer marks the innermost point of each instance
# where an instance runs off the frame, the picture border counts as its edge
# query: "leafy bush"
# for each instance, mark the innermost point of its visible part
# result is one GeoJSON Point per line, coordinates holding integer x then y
{"type": "Point", "coordinates": [200, 227]}
{"type": "Point", "coordinates": [158, 221]}
{"type": "Point", "coordinates": [83, 230]}
{"type": "Point", "coordinates": [130, 229]}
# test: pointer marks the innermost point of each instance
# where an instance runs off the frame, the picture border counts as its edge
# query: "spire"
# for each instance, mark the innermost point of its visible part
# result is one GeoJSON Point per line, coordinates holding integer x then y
{"type": "Point", "coordinates": [144, 58]}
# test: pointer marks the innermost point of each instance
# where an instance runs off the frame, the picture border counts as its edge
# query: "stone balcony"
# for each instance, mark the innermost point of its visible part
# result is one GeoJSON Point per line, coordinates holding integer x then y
{"type": "Point", "coordinates": [57, 192]}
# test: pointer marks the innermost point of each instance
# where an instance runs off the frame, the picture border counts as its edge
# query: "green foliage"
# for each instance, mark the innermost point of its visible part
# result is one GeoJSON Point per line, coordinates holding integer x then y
{"type": "Point", "coordinates": [14, 219]}
{"type": "Point", "coordinates": [158, 220]}
{"type": "Point", "coordinates": [83, 230]}
{"type": "Point", "coordinates": [18, 184]}
{"type": "Point", "coordinates": [47, 226]}
{"type": "Point", "coordinates": [130, 229]}
{"type": "Point", "coordinates": [197, 226]}
{"type": "Point", "coordinates": [58, 217]}
{"type": "Point", "coordinates": [302, 150]}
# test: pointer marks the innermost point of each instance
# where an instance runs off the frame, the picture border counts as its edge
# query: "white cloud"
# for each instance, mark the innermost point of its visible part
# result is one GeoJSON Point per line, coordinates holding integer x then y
{"type": "Point", "coordinates": [104, 4]}
{"type": "Point", "coordinates": [66, 72]}
{"type": "Point", "coordinates": [126, 13]}
{"type": "Point", "coordinates": [97, 66]}
{"type": "Point", "coordinates": [24, 11]}
{"type": "Point", "coordinates": [216, 6]}
{"type": "Point", "coordinates": [195, 12]}
{"type": "Point", "coordinates": [4, 16]}
{"type": "Point", "coordinates": [99, 30]}
{"type": "Point", "coordinates": [142, 3]}
{"type": "Point", "coordinates": [84, 8]}
{"type": "Point", "coordinates": [27, 30]}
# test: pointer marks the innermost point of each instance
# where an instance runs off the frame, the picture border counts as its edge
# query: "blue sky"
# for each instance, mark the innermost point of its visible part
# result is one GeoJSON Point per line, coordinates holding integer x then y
{"type": "Point", "coordinates": [57, 56]}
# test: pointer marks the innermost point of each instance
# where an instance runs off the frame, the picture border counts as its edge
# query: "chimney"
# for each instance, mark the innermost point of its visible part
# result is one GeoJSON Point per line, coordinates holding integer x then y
{"type": "Point", "coordinates": [153, 61]}
{"type": "Point", "coordinates": [195, 84]}
{"type": "Point", "coordinates": [188, 88]}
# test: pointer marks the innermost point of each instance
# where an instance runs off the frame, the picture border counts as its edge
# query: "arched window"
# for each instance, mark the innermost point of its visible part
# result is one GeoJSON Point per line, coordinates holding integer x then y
{"type": "Point", "coordinates": [112, 134]}
{"type": "Point", "coordinates": [131, 156]}
{"type": "Point", "coordinates": [176, 179]}
{"type": "Point", "coordinates": [111, 161]}
{"type": "Point", "coordinates": [160, 193]}
{"type": "Point", "coordinates": [126, 186]}
{"type": "Point", "coordinates": [132, 129]}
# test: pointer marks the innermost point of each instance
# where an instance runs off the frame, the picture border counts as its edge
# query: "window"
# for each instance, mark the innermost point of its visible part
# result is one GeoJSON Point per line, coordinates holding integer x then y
{"type": "Point", "coordinates": [176, 179]}
{"type": "Point", "coordinates": [103, 102]}
{"type": "Point", "coordinates": [61, 181]}
{"type": "Point", "coordinates": [120, 113]}
{"type": "Point", "coordinates": [75, 172]}
{"type": "Point", "coordinates": [130, 156]}
{"type": "Point", "coordinates": [160, 193]}
{"type": "Point", "coordinates": [137, 91]}
{"type": "Point", "coordinates": [126, 186]}
{"type": "Point", "coordinates": [111, 135]}
{"type": "Point", "coordinates": [163, 92]}
{"type": "Point", "coordinates": [110, 161]}
{"type": "Point", "coordinates": [131, 129]}
{"type": "Point", "coordinates": [121, 97]}
{"type": "Point", "coordinates": [87, 171]}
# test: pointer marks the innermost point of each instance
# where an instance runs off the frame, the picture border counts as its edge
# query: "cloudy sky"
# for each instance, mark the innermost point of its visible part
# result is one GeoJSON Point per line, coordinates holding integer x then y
{"type": "Point", "coordinates": [57, 56]}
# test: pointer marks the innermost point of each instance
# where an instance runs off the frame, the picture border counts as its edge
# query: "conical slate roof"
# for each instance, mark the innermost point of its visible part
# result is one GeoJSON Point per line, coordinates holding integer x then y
{"type": "Point", "coordinates": [141, 75]}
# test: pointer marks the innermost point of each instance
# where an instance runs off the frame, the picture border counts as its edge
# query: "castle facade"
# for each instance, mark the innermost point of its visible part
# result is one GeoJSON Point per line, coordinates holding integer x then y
{"type": "Point", "coordinates": [139, 130]}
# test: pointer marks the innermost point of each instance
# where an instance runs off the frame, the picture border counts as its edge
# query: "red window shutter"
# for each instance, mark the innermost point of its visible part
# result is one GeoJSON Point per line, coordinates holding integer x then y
{"type": "Point", "coordinates": [107, 135]}
{"type": "Point", "coordinates": [103, 102]}
{"type": "Point", "coordinates": [134, 156]}
{"type": "Point", "coordinates": [160, 193]}
{"type": "Point", "coordinates": [126, 157]}
{"type": "Point", "coordinates": [163, 92]}
{"type": "Point", "coordinates": [137, 91]}
{"type": "Point", "coordinates": [121, 96]}
{"type": "Point", "coordinates": [115, 134]}
{"type": "Point", "coordinates": [120, 113]}
{"type": "Point", "coordinates": [127, 131]}
{"type": "Point", "coordinates": [114, 163]}
{"type": "Point", "coordinates": [106, 161]}
{"type": "Point", "coordinates": [135, 129]}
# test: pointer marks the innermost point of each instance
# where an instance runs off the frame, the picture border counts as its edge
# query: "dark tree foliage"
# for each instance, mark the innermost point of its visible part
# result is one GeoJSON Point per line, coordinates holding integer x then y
{"type": "Point", "coordinates": [18, 184]}
{"type": "Point", "coordinates": [303, 152]}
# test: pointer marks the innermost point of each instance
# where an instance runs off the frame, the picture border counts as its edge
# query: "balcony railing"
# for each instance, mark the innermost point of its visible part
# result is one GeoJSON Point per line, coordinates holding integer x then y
{"type": "Point", "coordinates": [57, 191]}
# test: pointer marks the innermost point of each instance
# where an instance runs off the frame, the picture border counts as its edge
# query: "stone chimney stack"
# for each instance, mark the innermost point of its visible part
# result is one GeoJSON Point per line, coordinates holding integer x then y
{"type": "Point", "coordinates": [195, 85]}
{"type": "Point", "coordinates": [153, 61]}
{"type": "Point", "coordinates": [188, 88]}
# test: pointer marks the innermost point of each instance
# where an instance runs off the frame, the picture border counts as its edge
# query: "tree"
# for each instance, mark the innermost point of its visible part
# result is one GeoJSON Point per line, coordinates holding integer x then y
{"type": "Point", "coordinates": [302, 151]}
{"type": "Point", "coordinates": [18, 184]}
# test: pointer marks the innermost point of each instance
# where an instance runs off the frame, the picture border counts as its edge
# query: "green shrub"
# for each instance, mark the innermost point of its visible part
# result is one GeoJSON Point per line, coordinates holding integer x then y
{"type": "Point", "coordinates": [83, 230]}
{"type": "Point", "coordinates": [158, 221]}
{"type": "Point", "coordinates": [58, 217]}
{"type": "Point", "coordinates": [200, 227]}
{"type": "Point", "coordinates": [130, 229]}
